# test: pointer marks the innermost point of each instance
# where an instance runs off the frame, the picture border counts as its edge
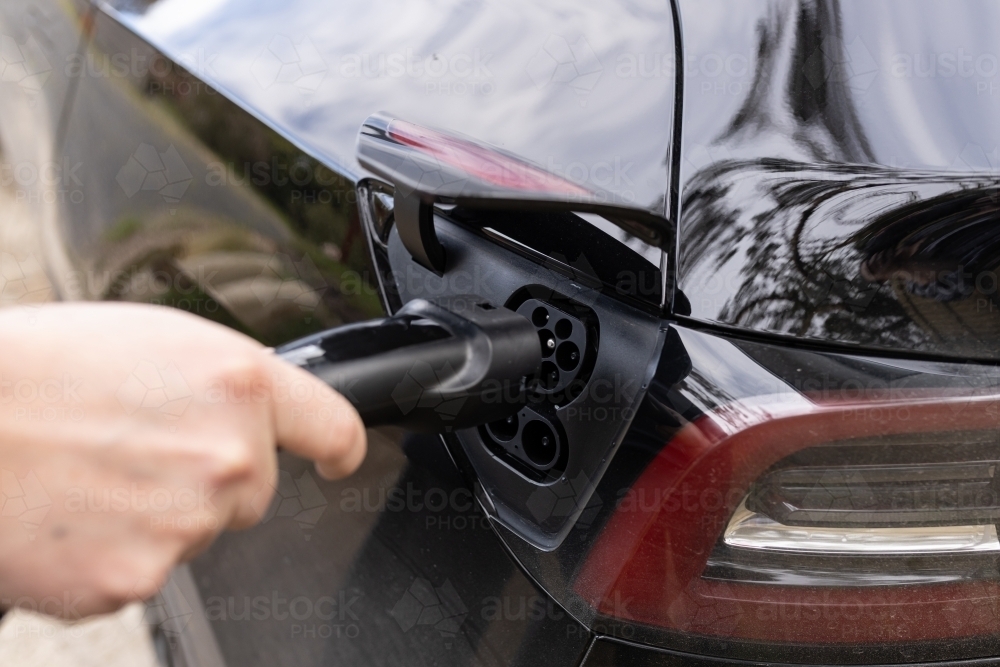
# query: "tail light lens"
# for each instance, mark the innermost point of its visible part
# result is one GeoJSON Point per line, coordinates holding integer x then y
{"type": "Point", "coordinates": [812, 522]}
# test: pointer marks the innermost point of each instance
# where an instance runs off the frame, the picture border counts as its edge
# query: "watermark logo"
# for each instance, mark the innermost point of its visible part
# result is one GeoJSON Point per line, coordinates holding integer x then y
{"type": "Point", "coordinates": [460, 73]}
{"type": "Point", "coordinates": [151, 388]}
{"type": "Point", "coordinates": [855, 64]}
{"type": "Point", "coordinates": [836, 488]}
{"type": "Point", "coordinates": [425, 604]}
{"type": "Point", "coordinates": [149, 170]}
{"type": "Point", "coordinates": [946, 65]}
{"type": "Point", "coordinates": [199, 62]}
{"type": "Point", "coordinates": [721, 611]}
{"type": "Point", "coordinates": [162, 73]}
{"type": "Point", "coordinates": [431, 174]}
{"type": "Point", "coordinates": [169, 621]}
{"type": "Point", "coordinates": [520, 608]}
{"type": "Point", "coordinates": [441, 508]}
{"type": "Point", "coordinates": [306, 618]}
{"type": "Point", "coordinates": [43, 182]}
{"type": "Point", "coordinates": [286, 279]}
{"type": "Point", "coordinates": [23, 64]}
{"type": "Point", "coordinates": [415, 391]}
{"type": "Point", "coordinates": [22, 280]}
{"type": "Point", "coordinates": [25, 499]}
{"type": "Point", "coordinates": [299, 499]}
{"type": "Point", "coordinates": [564, 500]}
{"type": "Point", "coordinates": [559, 62]}
{"type": "Point", "coordinates": [287, 61]}
{"type": "Point", "coordinates": [975, 157]}
{"type": "Point", "coordinates": [399, 64]}
{"type": "Point", "coordinates": [701, 156]}
{"type": "Point", "coordinates": [564, 284]}
{"type": "Point", "coordinates": [855, 293]}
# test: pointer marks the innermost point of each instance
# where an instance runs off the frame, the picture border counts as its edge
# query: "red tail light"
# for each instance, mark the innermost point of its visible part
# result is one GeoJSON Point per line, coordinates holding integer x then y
{"type": "Point", "coordinates": [812, 523]}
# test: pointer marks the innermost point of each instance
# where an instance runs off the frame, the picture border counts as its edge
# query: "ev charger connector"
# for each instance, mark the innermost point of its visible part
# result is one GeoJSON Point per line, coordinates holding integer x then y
{"type": "Point", "coordinates": [434, 366]}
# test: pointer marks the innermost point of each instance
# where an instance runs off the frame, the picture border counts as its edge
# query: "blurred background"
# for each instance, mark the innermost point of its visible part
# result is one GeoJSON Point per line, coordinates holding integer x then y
{"type": "Point", "coordinates": [28, 639]}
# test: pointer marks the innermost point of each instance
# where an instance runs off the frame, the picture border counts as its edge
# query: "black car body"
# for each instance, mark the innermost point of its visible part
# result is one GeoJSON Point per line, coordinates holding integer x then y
{"type": "Point", "coordinates": [778, 441]}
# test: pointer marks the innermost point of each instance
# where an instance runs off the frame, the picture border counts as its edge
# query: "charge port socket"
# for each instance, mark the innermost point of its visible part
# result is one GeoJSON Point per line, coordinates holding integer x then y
{"type": "Point", "coordinates": [564, 340]}
{"type": "Point", "coordinates": [531, 442]}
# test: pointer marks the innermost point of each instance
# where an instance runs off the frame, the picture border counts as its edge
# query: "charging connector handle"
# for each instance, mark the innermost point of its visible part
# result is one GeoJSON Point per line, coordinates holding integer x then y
{"type": "Point", "coordinates": [434, 366]}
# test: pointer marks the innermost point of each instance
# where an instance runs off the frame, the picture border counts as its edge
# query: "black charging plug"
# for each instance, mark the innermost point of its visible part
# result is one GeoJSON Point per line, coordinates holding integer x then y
{"type": "Point", "coordinates": [434, 366]}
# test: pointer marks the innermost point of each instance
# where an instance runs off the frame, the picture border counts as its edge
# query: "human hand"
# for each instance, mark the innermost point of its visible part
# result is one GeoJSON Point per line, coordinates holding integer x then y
{"type": "Point", "coordinates": [148, 431]}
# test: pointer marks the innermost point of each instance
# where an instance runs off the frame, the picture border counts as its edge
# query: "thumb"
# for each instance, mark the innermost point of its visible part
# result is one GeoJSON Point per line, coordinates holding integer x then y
{"type": "Point", "coordinates": [315, 422]}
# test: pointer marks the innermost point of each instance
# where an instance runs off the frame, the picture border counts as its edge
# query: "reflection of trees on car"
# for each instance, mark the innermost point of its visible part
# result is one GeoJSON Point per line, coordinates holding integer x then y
{"type": "Point", "coordinates": [261, 237]}
{"type": "Point", "coordinates": [905, 274]}
{"type": "Point", "coordinates": [815, 242]}
{"type": "Point", "coordinates": [941, 256]}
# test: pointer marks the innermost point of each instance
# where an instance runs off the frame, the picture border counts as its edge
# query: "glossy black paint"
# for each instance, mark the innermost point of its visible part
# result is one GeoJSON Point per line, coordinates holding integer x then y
{"type": "Point", "coordinates": [547, 82]}
{"type": "Point", "coordinates": [839, 172]}
{"type": "Point", "coordinates": [256, 232]}
{"type": "Point", "coordinates": [403, 536]}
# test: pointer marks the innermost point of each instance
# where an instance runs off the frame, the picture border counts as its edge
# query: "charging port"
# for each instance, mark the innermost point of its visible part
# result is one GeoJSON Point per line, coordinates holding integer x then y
{"type": "Point", "coordinates": [533, 441]}
{"type": "Point", "coordinates": [563, 337]}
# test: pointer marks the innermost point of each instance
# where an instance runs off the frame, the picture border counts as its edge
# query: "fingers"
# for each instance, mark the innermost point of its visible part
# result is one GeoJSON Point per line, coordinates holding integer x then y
{"type": "Point", "coordinates": [317, 423]}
